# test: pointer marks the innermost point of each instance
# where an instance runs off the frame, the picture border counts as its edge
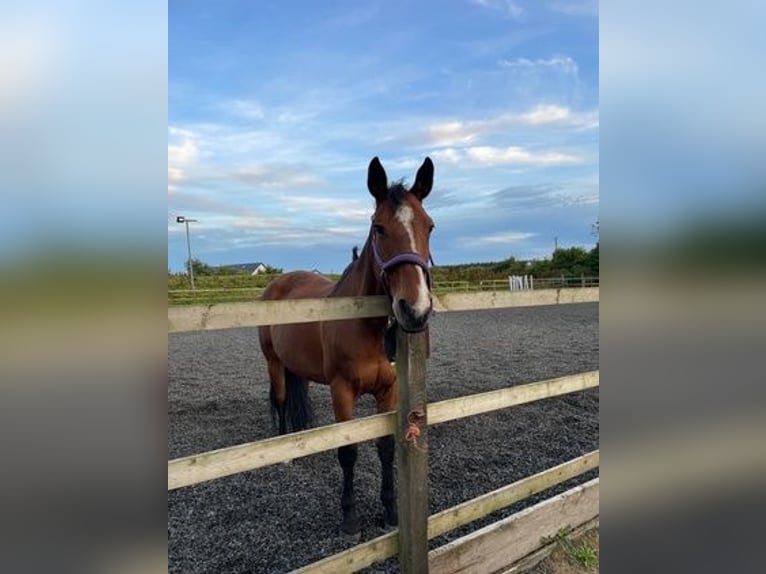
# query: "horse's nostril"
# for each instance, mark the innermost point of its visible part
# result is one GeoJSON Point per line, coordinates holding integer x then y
{"type": "Point", "coordinates": [406, 309]}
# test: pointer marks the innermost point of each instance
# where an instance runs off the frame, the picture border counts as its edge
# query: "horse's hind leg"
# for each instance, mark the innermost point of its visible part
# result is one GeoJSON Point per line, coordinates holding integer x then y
{"type": "Point", "coordinates": [278, 393]}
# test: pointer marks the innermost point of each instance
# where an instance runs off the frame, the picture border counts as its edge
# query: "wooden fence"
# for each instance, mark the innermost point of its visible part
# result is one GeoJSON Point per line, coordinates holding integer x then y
{"type": "Point", "coordinates": [411, 461]}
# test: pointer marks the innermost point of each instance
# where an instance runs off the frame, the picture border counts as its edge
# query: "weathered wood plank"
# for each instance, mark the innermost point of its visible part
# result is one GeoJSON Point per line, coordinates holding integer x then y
{"type": "Point", "coordinates": [503, 299]}
{"type": "Point", "coordinates": [249, 456]}
{"type": "Point", "coordinates": [198, 468]}
{"type": "Point", "coordinates": [386, 546]}
{"type": "Point", "coordinates": [257, 313]}
{"type": "Point", "coordinates": [412, 452]}
{"type": "Point", "coordinates": [356, 557]}
{"type": "Point", "coordinates": [453, 409]}
{"type": "Point", "coordinates": [499, 545]}
{"type": "Point", "coordinates": [503, 497]}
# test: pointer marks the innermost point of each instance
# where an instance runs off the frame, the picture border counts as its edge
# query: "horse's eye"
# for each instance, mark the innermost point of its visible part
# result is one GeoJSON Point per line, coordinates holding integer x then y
{"type": "Point", "coordinates": [431, 228]}
{"type": "Point", "coordinates": [378, 228]}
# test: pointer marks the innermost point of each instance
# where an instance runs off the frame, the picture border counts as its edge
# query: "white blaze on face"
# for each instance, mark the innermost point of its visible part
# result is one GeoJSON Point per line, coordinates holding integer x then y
{"type": "Point", "coordinates": [422, 304]}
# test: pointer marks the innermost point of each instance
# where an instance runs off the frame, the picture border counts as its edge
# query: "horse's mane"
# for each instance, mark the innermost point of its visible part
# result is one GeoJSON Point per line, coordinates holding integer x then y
{"type": "Point", "coordinates": [350, 266]}
{"type": "Point", "coordinates": [396, 192]}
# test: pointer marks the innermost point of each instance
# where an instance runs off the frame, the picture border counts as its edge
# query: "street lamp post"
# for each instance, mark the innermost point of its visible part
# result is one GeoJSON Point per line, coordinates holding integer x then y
{"type": "Point", "coordinates": [186, 220]}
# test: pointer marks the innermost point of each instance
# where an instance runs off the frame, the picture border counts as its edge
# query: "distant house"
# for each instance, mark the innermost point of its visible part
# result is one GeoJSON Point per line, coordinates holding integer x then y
{"type": "Point", "coordinates": [249, 268]}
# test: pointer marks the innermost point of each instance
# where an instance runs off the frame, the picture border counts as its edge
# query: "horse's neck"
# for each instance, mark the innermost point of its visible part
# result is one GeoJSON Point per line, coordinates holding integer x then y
{"type": "Point", "coordinates": [362, 278]}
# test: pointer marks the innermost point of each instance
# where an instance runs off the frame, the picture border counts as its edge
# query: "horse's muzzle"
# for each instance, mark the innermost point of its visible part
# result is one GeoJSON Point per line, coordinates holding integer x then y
{"type": "Point", "coordinates": [409, 319]}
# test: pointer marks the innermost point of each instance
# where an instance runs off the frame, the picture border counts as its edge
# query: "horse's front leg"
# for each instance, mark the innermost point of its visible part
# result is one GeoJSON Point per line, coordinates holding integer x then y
{"type": "Point", "coordinates": [347, 459]}
{"type": "Point", "coordinates": [343, 399]}
{"type": "Point", "coordinates": [386, 401]}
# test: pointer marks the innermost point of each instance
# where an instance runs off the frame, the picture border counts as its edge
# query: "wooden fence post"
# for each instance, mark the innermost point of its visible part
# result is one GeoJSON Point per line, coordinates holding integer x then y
{"type": "Point", "coordinates": [412, 452]}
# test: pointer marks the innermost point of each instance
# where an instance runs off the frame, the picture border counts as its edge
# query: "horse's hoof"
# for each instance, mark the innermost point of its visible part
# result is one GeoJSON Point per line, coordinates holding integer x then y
{"type": "Point", "coordinates": [390, 518]}
{"type": "Point", "coordinates": [352, 539]}
{"type": "Point", "coordinates": [351, 529]}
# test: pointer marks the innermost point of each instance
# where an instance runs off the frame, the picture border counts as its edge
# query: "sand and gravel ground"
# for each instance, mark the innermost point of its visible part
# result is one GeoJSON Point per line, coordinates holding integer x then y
{"type": "Point", "coordinates": [278, 518]}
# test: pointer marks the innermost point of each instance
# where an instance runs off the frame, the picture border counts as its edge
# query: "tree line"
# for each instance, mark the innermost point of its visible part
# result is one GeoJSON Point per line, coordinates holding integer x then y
{"type": "Point", "coordinates": [564, 262]}
{"type": "Point", "coordinates": [568, 262]}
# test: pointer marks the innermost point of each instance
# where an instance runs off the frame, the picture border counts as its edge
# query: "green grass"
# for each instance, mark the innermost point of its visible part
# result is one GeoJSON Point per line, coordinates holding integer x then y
{"type": "Point", "coordinates": [579, 554]}
{"type": "Point", "coordinates": [584, 555]}
{"type": "Point", "coordinates": [212, 289]}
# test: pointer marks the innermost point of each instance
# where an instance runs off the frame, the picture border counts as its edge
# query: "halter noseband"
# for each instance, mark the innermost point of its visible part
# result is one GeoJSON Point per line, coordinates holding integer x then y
{"type": "Point", "coordinates": [396, 260]}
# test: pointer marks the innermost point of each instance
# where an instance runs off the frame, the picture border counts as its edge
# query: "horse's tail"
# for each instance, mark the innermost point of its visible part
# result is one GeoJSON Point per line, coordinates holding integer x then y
{"type": "Point", "coordinates": [298, 408]}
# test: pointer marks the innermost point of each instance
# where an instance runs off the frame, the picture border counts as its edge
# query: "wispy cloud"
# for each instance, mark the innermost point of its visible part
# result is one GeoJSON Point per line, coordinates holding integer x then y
{"type": "Point", "coordinates": [245, 108]}
{"type": "Point", "coordinates": [272, 176]}
{"type": "Point", "coordinates": [564, 64]}
{"type": "Point", "coordinates": [547, 114]}
{"type": "Point", "coordinates": [452, 132]}
{"type": "Point", "coordinates": [574, 7]}
{"type": "Point", "coordinates": [354, 16]}
{"type": "Point", "coordinates": [509, 7]}
{"type": "Point", "coordinates": [344, 209]}
{"type": "Point", "coordinates": [499, 238]}
{"type": "Point", "coordinates": [216, 212]}
{"type": "Point", "coordinates": [182, 151]}
{"type": "Point", "coordinates": [511, 155]}
{"type": "Point", "coordinates": [543, 196]}
{"type": "Point", "coordinates": [489, 155]}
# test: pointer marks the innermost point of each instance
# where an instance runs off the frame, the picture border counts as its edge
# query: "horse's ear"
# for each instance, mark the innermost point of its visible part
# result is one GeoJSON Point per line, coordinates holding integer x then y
{"type": "Point", "coordinates": [424, 180]}
{"type": "Point", "coordinates": [377, 182]}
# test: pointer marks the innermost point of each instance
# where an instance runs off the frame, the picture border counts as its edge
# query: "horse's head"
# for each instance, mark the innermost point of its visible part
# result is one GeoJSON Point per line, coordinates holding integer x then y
{"type": "Point", "coordinates": [400, 243]}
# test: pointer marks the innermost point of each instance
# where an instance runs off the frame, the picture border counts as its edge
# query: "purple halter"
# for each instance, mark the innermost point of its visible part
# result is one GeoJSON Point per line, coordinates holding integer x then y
{"type": "Point", "coordinates": [396, 260]}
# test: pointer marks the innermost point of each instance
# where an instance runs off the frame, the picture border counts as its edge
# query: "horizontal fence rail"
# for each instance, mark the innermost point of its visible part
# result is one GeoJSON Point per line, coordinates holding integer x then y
{"type": "Point", "coordinates": [258, 313]}
{"type": "Point", "coordinates": [386, 546]}
{"type": "Point", "coordinates": [194, 469]}
{"type": "Point", "coordinates": [284, 312]}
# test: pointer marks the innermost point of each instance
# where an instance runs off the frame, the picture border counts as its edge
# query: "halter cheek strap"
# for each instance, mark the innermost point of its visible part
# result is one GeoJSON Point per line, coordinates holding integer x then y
{"type": "Point", "coordinates": [396, 260]}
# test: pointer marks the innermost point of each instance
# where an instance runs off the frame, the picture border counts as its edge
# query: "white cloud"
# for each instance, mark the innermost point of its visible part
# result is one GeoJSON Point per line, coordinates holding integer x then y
{"type": "Point", "coordinates": [564, 64]}
{"type": "Point", "coordinates": [489, 155]}
{"type": "Point", "coordinates": [492, 156]}
{"type": "Point", "coordinates": [499, 238]}
{"type": "Point", "coordinates": [345, 209]}
{"type": "Point", "coordinates": [272, 176]}
{"type": "Point", "coordinates": [181, 153]}
{"type": "Point", "coordinates": [453, 132]}
{"type": "Point", "coordinates": [545, 114]}
{"type": "Point", "coordinates": [448, 155]}
{"type": "Point", "coordinates": [254, 222]}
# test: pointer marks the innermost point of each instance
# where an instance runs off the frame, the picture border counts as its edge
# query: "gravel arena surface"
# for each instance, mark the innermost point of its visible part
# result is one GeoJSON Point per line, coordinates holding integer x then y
{"type": "Point", "coordinates": [285, 516]}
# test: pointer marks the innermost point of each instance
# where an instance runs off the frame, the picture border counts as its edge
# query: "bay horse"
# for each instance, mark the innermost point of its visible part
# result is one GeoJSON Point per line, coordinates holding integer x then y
{"type": "Point", "coordinates": [349, 355]}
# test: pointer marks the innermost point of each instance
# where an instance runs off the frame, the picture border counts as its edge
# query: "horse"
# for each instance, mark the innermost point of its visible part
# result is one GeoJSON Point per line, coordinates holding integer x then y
{"type": "Point", "coordinates": [349, 355]}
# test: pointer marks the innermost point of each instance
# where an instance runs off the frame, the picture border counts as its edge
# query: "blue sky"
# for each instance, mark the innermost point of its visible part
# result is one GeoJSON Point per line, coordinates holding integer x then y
{"type": "Point", "coordinates": [276, 108]}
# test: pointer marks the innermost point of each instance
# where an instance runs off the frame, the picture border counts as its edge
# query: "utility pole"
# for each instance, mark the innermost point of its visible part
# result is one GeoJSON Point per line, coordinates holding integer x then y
{"type": "Point", "coordinates": [186, 220]}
